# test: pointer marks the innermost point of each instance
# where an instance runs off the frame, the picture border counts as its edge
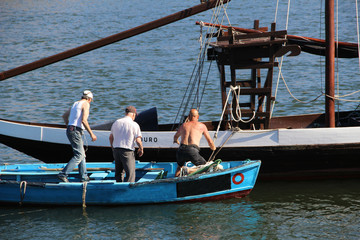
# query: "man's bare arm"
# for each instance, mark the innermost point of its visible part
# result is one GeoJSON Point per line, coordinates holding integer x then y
{"type": "Point", "coordinates": [141, 148]}
{"type": "Point", "coordinates": [86, 107]}
{"type": "Point", "coordinates": [177, 135]}
{"type": "Point", "coordinates": [111, 140]}
{"type": "Point", "coordinates": [209, 140]}
{"type": "Point", "coordinates": [66, 115]}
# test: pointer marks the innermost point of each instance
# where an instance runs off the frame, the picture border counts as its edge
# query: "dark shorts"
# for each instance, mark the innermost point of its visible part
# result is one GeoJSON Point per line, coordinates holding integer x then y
{"type": "Point", "coordinates": [189, 153]}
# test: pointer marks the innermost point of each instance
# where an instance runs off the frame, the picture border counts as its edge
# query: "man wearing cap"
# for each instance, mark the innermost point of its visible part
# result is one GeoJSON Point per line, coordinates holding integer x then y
{"type": "Point", "coordinates": [124, 133]}
{"type": "Point", "coordinates": [76, 120]}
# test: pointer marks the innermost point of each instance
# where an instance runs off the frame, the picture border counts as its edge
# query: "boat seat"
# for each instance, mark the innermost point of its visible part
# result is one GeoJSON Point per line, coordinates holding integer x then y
{"type": "Point", "coordinates": [99, 175]}
{"type": "Point", "coordinates": [150, 176]}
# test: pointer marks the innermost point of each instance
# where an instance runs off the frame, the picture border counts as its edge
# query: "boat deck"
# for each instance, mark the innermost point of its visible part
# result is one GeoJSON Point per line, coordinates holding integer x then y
{"type": "Point", "coordinates": [96, 172]}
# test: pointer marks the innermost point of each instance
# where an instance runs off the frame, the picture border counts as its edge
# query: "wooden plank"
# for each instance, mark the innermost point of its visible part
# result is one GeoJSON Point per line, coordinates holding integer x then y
{"type": "Point", "coordinates": [256, 91]}
{"type": "Point", "coordinates": [250, 43]}
{"type": "Point", "coordinates": [249, 113]}
{"type": "Point", "coordinates": [76, 169]}
{"type": "Point", "coordinates": [149, 176]}
{"type": "Point", "coordinates": [99, 175]}
{"type": "Point", "coordinates": [255, 65]}
{"type": "Point", "coordinates": [254, 35]}
{"type": "Point", "coordinates": [245, 84]}
{"type": "Point", "coordinates": [244, 30]}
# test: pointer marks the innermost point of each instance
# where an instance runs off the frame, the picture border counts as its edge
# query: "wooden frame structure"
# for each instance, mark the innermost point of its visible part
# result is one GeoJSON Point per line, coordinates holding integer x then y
{"type": "Point", "coordinates": [253, 51]}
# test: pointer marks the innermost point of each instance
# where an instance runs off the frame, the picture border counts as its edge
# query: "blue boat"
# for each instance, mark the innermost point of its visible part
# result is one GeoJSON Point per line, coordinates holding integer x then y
{"type": "Point", "coordinates": [37, 184]}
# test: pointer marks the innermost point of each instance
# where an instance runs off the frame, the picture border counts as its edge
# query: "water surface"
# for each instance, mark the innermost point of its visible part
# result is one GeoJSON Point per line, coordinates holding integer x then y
{"type": "Point", "coordinates": [153, 69]}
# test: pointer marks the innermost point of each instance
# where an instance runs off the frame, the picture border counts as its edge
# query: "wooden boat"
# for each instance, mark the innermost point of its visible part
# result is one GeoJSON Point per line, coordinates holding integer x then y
{"type": "Point", "coordinates": [302, 146]}
{"type": "Point", "coordinates": [155, 183]}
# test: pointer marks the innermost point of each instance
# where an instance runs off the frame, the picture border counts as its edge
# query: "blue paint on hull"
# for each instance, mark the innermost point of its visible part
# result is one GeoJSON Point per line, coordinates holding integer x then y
{"type": "Point", "coordinates": [31, 184]}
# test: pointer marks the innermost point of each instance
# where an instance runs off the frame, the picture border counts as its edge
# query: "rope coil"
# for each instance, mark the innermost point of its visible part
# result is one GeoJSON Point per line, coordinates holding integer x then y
{"type": "Point", "coordinates": [237, 110]}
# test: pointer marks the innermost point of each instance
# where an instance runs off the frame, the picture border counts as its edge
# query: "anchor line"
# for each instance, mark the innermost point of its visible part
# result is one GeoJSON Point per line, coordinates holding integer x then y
{"type": "Point", "coordinates": [212, 156]}
{"type": "Point", "coordinates": [23, 185]}
{"type": "Point", "coordinates": [84, 195]}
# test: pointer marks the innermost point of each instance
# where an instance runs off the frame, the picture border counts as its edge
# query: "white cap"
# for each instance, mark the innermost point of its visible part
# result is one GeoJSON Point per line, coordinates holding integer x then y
{"type": "Point", "coordinates": [89, 94]}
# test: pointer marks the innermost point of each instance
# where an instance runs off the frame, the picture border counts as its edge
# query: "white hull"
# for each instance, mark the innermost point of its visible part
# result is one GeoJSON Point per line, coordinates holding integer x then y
{"type": "Point", "coordinates": [164, 139]}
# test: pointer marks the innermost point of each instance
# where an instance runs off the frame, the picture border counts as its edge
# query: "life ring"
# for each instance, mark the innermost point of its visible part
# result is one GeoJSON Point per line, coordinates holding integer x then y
{"type": "Point", "coordinates": [241, 180]}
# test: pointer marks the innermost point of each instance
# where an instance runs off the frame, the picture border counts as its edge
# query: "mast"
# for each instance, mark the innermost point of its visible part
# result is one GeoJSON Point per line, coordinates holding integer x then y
{"type": "Point", "coordinates": [111, 39]}
{"type": "Point", "coordinates": [330, 64]}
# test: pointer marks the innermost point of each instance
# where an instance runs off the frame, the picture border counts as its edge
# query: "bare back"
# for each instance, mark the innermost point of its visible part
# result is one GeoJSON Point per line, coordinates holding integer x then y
{"type": "Point", "coordinates": [192, 132]}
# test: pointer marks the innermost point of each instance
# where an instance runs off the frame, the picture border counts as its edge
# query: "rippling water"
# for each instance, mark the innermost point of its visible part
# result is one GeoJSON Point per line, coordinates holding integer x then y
{"type": "Point", "coordinates": [153, 69]}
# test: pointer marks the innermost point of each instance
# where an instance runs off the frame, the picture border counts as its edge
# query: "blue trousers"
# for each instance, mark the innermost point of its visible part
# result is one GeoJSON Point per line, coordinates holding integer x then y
{"type": "Point", "coordinates": [75, 136]}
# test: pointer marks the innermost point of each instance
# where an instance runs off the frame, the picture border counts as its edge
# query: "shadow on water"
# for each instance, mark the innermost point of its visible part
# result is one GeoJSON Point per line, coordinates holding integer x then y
{"type": "Point", "coordinates": [274, 210]}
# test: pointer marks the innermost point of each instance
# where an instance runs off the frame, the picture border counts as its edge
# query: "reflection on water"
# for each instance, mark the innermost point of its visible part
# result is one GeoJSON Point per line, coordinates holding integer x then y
{"type": "Point", "coordinates": [274, 210]}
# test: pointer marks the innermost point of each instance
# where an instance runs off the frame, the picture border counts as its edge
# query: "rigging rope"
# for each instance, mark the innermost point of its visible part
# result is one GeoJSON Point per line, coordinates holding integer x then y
{"type": "Point", "coordinates": [337, 72]}
{"type": "Point", "coordinates": [238, 117]}
{"type": "Point", "coordinates": [357, 29]}
{"type": "Point", "coordinates": [276, 10]}
{"type": "Point", "coordinates": [289, 91]}
{"type": "Point", "coordinates": [345, 100]}
{"type": "Point", "coordinates": [213, 154]}
{"type": "Point", "coordinates": [282, 58]}
{"type": "Point", "coordinates": [336, 97]}
{"type": "Point", "coordinates": [237, 111]}
{"type": "Point", "coordinates": [194, 83]}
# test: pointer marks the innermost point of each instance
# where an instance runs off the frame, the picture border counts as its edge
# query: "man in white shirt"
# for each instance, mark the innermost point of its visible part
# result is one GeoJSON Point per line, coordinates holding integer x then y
{"type": "Point", "coordinates": [124, 133]}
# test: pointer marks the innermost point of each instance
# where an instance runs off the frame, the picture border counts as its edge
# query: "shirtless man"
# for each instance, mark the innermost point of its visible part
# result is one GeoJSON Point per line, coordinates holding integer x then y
{"type": "Point", "coordinates": [191, 133]}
